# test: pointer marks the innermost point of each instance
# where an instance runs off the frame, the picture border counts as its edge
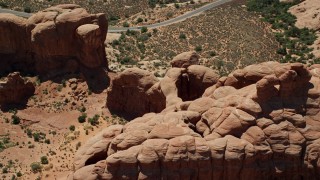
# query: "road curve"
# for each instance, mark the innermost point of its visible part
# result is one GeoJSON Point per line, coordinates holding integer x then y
{"type": "Point", "coordinates": [173, 20]}
{"type": "Point", "coordinates": [112, 29]}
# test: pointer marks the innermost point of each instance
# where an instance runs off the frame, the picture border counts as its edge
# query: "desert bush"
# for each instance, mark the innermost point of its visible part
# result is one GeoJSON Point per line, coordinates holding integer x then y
{"type": "Point", "coordinates": [115, 42]}
{"type": "Point", "coordinates": [27, 9]}
{"type": "Point", "coordinates": [182, 36]}
{"type": "Point", "coordinates": [72, 128]}
{"type": "Point", "coordinates": [3, 4]}
{"type": "Point", "coordinates": [35, 167]}
{"type": "Point", "coordinates": [94, 120]}
{"type": "Point", "coordinates": [125, 24]}
{"type": "Point", "coordinates": [198, 48]}
{"type": "Point", "coordinates": [139, 20]}
{"type": "Point", "coordinates": [44, 160]}
{"type": "Point", "coordinates": [152, 3]}
{"type": "Point", "coordinates": [82, 118]}
{"type": "Point", "coordinates": [15, 119]}
{"type": "Point", "coordinates": [212, 53]}
{"type": "Point", "coordinates": [144, 29]}
{"type": "Point", "coordinates": [128, 61]}
{"type": "Point", "coordinates": [5, 170]}
{"type": "Point", "coordinates": [19, 174]}
{"type": "Point", "coordinates": [289, 36]}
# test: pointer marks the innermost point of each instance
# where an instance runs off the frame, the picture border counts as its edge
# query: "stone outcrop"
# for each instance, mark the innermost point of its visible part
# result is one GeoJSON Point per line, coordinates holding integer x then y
{"type": "Point", "coordinates": [135, 92]}
{"type": "Point", "coordinates": [185, 59]}
{"type": "Point", "coordinates": [252, 124]}
{"type": "Point", "coordinates": [128, 92]}
{"type": "Point", "coordinates": [58, 40]}
{"type": "Point", "coordinates": [15, 90]}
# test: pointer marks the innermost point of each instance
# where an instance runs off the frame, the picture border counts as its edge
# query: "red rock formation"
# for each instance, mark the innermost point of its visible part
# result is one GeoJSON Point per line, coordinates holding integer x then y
{"type": "Point", "coordinates": [185, 59]}
{"type": "Point", "coordinates": [15, 90]}
{"type": "Point", "coordinates": [60, 39]}
{"type": "Point", "coordinates": [263, 125]}
{"type": "Point", "coordinates": [135, 92]}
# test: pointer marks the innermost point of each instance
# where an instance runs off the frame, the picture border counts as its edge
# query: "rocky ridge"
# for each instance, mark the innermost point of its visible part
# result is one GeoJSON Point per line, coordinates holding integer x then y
{"type": "Point", "coordinates": [59, 40]}
{"type": "Point", "coordinates": [136, 92]}
{"type": "Point", "coordinates": [258, 122]}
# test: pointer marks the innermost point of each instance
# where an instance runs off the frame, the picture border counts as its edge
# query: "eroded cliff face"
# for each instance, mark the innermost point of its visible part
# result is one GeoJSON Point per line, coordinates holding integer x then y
{"type": "Point", "coordinates": [58, 40]}
{"type": "Point", "coordinates": [260, 122]}
{"type": "Point", "coordinates": [136, 92]}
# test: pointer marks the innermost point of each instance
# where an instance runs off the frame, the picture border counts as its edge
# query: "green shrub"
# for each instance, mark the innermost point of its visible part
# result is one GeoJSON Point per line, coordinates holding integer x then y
{"type": "Point", "coordinates": [144, 29]}
{"type": "Point", "coordinates": [36, 136]}
{"type": "Point", "coordinates": [152, 3]}
{"type": "Point", "coordinates": [128, 61]}
{"type": "Point", "coordinates": [198, 48]}
{"type": "Point", "coordinates": [35, 167]}
{"type": "Point", "coordinates": [3, 4]}
{"type": "Point", "coordinates": [142, 47]}
{"type": "Point", "coordinates": [282, 51]}
{"type": "Point", "coordinates": [29, 133]}
{"type": "Point", "coordinates": [5, 170]}
{"type": "Point", "coordinates": [139, 20]}
{"type": "Point", "coordinates": [27, 9]}
{"type": "Point", "coordinates": [125, 24]}
{"type": "Point", "coordinates": [82, 118]}
{"type": "Point", "coordinates": [94, 120]}
{"type": "Point", "coordinates": [212, 53]}
{"type": "Point", "coordinates": [114, 18]}
{"type": "Point", "coordinates": [19, 174]}
{"type": "Point", "coordinates": [72, 128]}
{"type": "Point", "coordinates": [44, 160]}
{"type": "Point", "coordinates": [15, 119]}
{"type": "Point", "coordinates": [294, 41]}
{"type": "Point", "coordinates": [115, 42]}
{"type": "Point", "coordinates": [182, 36]}
{"type": "Point", "coordinates": [82, 109]}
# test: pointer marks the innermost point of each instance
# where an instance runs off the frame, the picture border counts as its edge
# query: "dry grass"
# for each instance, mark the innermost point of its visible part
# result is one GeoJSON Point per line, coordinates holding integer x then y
{"type": "Point", "coordinates": [110, 7]}
{"type": "Point", "coordinates": [230, 38]}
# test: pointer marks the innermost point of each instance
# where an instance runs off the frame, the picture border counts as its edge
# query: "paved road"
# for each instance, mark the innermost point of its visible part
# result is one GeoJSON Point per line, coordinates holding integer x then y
{"type": "Point", "coordinates": [174, 20]}
{"type": "Point", "coordinates": [151, 26]}
{"type": "Point", "coordinates": [18, 13]}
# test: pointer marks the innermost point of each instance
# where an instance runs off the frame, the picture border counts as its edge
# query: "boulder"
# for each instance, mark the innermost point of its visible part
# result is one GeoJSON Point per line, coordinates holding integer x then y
{"type": "Point", "coordinates": [185, 59]}
{"type": "Point", "coordinates": [15, 90]}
